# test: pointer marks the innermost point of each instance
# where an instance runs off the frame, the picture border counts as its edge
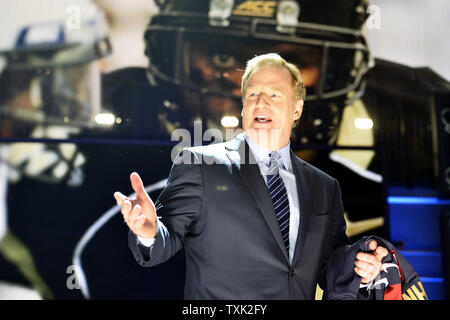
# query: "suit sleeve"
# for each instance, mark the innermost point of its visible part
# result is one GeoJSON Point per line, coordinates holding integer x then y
{"type": "Point", "coordinates": [339, 239]}
{"type": "Point", "coordinates": [178, 209]}
{"type": "Point", "coordinates": [339, 236]}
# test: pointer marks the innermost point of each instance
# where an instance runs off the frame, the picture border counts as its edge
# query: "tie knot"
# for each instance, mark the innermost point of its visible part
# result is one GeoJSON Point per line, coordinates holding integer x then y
{"type": "Point", "coordinates": [275, 163]}
{"type": "Point", "coordinates": [274, 156]}
{"type": "Point", "coordinates": [275, 159]}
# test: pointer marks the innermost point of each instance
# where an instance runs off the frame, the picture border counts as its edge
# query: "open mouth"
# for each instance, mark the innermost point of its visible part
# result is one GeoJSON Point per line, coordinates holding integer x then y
{"type": "Point", "coordinates": [262, 119]}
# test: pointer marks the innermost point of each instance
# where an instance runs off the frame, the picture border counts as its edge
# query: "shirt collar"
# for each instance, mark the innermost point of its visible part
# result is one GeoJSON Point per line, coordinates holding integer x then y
{"type": "Point", "coordinates": [261, 154]}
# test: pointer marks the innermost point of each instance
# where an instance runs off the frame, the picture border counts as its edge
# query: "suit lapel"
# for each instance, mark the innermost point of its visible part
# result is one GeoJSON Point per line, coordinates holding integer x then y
{"type": "Point", "coordinates": [304, 183]}
{"type": "Point", "coordinates": [240, 155]}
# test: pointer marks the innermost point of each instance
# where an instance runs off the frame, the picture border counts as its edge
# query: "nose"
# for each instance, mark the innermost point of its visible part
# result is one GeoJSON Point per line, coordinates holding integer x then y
{"type": "Point", "coordinates": [262, 100]}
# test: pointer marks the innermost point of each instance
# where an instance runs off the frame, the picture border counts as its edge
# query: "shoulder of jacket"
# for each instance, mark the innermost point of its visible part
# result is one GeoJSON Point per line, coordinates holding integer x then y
{"type": "Point", "coordinates": [315, 171]}
{"type": "Point", "coordinates": [210, 149]}
{"type": "Point", "coordinates": [208, 154]}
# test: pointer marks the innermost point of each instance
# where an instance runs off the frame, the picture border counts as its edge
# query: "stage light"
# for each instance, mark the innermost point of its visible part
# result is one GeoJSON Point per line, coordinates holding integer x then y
{"type": "Point", "coordinates": [417, 200]}
{"type": "Point", "coordinates": [363, 123]}
{"type": "Point", "coordinates": [229, 121]}
{"type": "Point", "coordinates": [106, 119]}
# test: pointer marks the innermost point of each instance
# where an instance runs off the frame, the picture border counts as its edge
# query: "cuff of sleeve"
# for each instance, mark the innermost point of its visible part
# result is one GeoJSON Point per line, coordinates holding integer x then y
{"type": "Point", "coordinates": [368, 286]}
{"type": "Point", "coordinates": [146, 242]}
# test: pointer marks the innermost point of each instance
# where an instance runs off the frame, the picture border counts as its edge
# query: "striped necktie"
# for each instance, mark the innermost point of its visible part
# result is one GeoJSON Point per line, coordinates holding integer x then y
{"type": "Point", "coordinates": [279, 197]}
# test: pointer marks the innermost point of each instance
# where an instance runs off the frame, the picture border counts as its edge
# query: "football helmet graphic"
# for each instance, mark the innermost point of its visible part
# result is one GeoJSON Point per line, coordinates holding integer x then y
{"type": "Point", "coordinates": [48, 69]}
{"type": "Point", "coordinates": [202, 46]}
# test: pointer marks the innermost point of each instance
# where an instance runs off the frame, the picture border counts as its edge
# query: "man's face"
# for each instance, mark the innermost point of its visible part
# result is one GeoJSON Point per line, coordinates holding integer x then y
{"type": "Point", "coordinates": [270, 109]}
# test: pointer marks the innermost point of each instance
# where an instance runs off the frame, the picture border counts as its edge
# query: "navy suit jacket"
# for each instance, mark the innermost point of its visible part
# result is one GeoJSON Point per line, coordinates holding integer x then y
{"type": "Point", "coordinates": [217, 207]}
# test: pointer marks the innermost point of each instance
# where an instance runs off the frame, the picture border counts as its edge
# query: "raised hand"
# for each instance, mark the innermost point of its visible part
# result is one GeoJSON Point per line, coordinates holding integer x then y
{"type": "Point", "coordinates": [139, 213]}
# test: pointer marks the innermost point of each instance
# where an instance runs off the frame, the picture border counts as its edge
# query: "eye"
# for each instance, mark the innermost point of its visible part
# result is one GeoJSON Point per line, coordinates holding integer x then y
{"type": "Point", "coordinates": [275, 95]}
{"type": "Point", "coordinates": [223, 60]}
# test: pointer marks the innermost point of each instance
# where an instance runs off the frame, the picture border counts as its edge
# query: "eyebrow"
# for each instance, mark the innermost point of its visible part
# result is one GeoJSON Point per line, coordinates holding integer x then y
{"type": "Point", "coordinates": [275, 88]}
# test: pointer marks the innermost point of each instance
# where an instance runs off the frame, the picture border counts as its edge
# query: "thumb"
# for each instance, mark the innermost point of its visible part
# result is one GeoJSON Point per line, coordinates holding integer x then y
{"type": "Point", "coordinates": [142, 198]}
{"type": "Point", "coordinates": [137, 185]}
{"type": "Point", "coordinates": [373, 245]}
{"type": "Point", "coordinates": [380, 253]}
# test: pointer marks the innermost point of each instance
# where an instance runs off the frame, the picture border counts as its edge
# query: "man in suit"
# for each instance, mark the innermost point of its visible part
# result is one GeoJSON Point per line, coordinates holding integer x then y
{"type": "Point", "coordinates": [256, 221]}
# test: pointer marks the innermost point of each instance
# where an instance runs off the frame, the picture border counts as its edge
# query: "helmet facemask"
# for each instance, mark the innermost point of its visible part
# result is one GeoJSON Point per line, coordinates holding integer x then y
{"type": "Point", "coordinates": [190, 51]}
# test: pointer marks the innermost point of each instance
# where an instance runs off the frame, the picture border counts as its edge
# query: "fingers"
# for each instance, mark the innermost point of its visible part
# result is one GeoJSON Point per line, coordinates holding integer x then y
{"type": "Point", "coordinates": [120, 198]}
{"type": "Point", "coordinates": [380, 253]}
{"type": "Point", "coordinates": [366, 276]}
{"type": "Point", "coordinates": [138, 221]}
{"type": "Point", "coordinates": [124, 202]}
{"type": "Point", "coordinates": [367, 257]}
{"type": "Point", "coordinates": [137, 185]}
{"type": "Point", "coordinates": [126, 209]}
{"type": "Point", "coordinates": [367, 266]}
{"type": "Point", "coordinates": [133, 216]}
{"type": "Point", "coordinates": [373, 245]}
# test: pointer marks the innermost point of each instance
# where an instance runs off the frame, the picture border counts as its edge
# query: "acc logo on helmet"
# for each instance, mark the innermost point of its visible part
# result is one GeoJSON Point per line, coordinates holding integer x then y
{"type": "Point", "coordinates": [255, 8]}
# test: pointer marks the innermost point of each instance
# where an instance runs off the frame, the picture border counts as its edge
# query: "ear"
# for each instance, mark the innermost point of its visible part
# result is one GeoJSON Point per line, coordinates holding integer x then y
{"type": "Point", "coordinates": [298, 109]}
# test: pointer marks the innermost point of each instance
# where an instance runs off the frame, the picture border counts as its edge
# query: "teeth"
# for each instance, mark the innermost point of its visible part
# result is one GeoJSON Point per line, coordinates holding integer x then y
{"type": "Point", "coordinates": [262, 119]}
